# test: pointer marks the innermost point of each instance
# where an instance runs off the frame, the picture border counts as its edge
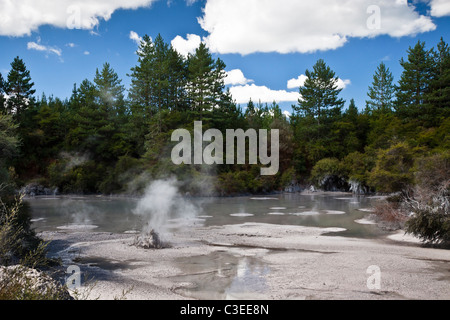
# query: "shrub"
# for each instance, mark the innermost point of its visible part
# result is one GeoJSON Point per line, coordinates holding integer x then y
{"type": "Point", "coordinates": [358, 166]}
{"type": "Point", "coordinates": [390, 214]}
{"type": "Point", "coordinates": [429, 200]}
{"type": "Point", "coordinates": [329, 174]}
{"type": "Point", "coordinates": [18, 242]}
{"type": "Point", "coordinates": [393, 169]}
{"type": "Point", "coordinates": [22, 283]}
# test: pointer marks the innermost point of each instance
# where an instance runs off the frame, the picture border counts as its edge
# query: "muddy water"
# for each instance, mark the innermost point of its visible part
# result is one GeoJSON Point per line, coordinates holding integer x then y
{"type": "Point", "coordinates": [220, 275]}
{"type": "Point", "coordinates": [106, 214]}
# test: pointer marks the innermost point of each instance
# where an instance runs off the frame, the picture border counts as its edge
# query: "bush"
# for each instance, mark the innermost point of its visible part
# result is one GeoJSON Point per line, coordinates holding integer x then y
{"type": "Point", "coordinates": [429, 200]}
{"type": "Point", "coordinates": [18, 242]}
{"type": "Point", "coordinates": [358, 166]}
{"type": "Point", "coordinates": [21, 283]}
{"type": "Point", "coordinates": [393, 169]}
{"type": "Point", "coordinates": [430, 225]}
{"type": "Point", "coordinates": [390, 214]}
{"type": "Point", "coordinates": [330, 175]}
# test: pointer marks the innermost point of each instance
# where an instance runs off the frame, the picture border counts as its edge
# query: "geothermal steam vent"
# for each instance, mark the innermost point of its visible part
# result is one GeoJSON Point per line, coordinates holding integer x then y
{"type": "Point", "coordinates": [160, 203]}
{"type": "Point", "coordinates": [149, 240]}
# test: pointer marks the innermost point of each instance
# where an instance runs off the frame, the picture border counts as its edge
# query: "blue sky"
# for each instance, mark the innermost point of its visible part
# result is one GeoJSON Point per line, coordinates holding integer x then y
{"type": "Point", "coordinates": [265, 44]}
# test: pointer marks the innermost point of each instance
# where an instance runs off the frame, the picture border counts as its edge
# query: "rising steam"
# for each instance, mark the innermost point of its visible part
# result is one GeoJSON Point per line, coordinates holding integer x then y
{"type": "Point", "coordinates": [161, 204]}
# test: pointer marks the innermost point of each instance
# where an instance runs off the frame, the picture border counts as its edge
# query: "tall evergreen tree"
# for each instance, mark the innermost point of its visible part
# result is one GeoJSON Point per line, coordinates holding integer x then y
{"type": "Point", "coordinates": [19, 89]}
{"type": "Point", "coordinates": [320, 94]}
{"type": "Point", "coordinates": [140, 93]}
{"type": "Point", "coordinates": [9, 145]}
{"type": "Point", "coordinates": [177, 79]}
{"type": "Point", "coordinates": [318, 109]}
{"type": "Point", "coordinates": [382, 91]}
{"type": "Point", "coordinates": [414, 84]}
{"type": "Point", "coordinates": [205, 81]}
{"type": "Point", "coordinates": [110, 88]}
{"type": "Point", "coordinates": [439, 95]}
{"type": "Point", "coordinates": [2, 95]}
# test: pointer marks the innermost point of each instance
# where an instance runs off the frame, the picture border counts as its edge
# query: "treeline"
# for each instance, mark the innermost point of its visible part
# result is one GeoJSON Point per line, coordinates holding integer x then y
{"type": "Point", "coordinates": [104, 139]}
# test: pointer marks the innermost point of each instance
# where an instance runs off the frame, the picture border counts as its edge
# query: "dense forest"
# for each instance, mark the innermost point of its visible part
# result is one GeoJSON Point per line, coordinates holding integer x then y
{"type": "Point", "coordinates": [105, 139]}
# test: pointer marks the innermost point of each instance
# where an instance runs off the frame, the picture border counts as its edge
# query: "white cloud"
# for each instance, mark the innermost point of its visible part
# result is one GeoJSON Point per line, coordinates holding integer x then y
{"type": "Point", "coordinates": [242, 94]}
{"type": "Point", "coordinates": [287, 114]}
{"type": "Point", "coordinates": [135, 37]}
{"type": "Point", "coordinates": [39, 47]}
{"type": "Point", "coordinates": [236, 77]}
{"type": "Point", "coordinates": [71, 45]}
{"type": "Point", "coordinates": [440, 8]}
{"type": "Point", "coordinates": [300, 82]}
{"type": "Point", "coordinates": [86, 53]}
{"type": "Point", "coordinates": [297, 83]}
{"type": "Point", "coordinates": [186, 46]}
{"type": "Point", "coordinates": [21, 17]}
{"type": "Point", "coordinates": [343, 83]}
{"type": "Point", "coordinates": [285, 26]}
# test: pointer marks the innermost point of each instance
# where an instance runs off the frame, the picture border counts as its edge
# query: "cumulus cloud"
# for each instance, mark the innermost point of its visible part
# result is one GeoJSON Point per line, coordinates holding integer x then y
{"type": "Point", "coordinates": [47, 49]}
{"type": "Point", "coordinates": [188, 45]}
{"type": "Point", "coordinates": [286, 26]}
{"type": "Point", "coordinates": [343, 83]}
{"type": "Point", "coordinates": [236, 77]}
{"type": "Point", "coordinates": [300, 82]}
{"type": "Point", "coordinates": [242, 94]}
{"type": "Point", "coordinates": [21, 17]}
{"type": "Point", "coordinates": [135, 37]}
{"type": "Point", "coordinates": [297, 83]}
{"type": "Point", "coordinates": [440, 8]}
{"type": "Point", "coordinates": [242, 91]}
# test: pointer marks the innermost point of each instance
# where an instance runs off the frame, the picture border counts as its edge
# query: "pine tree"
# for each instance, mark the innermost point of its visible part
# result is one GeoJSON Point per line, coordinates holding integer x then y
{"type": "Point", "coordinates": [382, 91]}
{"type": "Point", "coordinates": [319, 95]}
{"type": "Point", "coordinates": [109, 87]}
{"type": "Point", "coordinates": [352, 112]}
{"type": "Point", "coordinates": [2, 95]}
{"type": "Point", "coordinates": [318, 109]}
{"type": "Point", "coordinates": [9, 142]}
{"type": "Point", "coordinates": [9, 147]}
{"type": "Point", "coordinates": [177, 79]}
{"type": "Point", "coordinates": [414, 84]}
{"type": "Point", "coordinates": [51, 125]}
{"type": "Point", "coordinates": [439, 95]}
{"type": "Point", "coordinates": [19, 89]}
{"type": "Point", "coordinates": [205, 81]}
{"type": "Point", "coordinates": [140, 93]}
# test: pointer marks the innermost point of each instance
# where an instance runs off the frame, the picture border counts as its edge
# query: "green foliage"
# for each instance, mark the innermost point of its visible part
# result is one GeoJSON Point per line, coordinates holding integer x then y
{"type": "Point", "coordinates": [106, 140]}
{"type": "Point", "coordinates": [320, 94]}
{"type": "Point", "coordinates": [429, 199]}
{"type": "Point", "coordinates": [317, 118]}
{"type": "Point", "coordinates": [414, 85]}
{"type": "Point", "coordinates": [19, 89]}
{"type": "Point", "coordinates": [22, 283]}
{"type": "Point", "coordinates": [381, 93]}
{"type": "Point", "coordinates": [18, 242]}
{"type": "Point", "coordinates": [329, 173]}
{"type": "Point", "coordinates": [392, 171]}
{"type": "Point", "coordinates": [430, 226]}
{"type": "Point", "coordinates": [358, 166]}
{"type": "Point", "coordinates": [8, 140]}
{"type": "Point", "coordinates": [2, 95]}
